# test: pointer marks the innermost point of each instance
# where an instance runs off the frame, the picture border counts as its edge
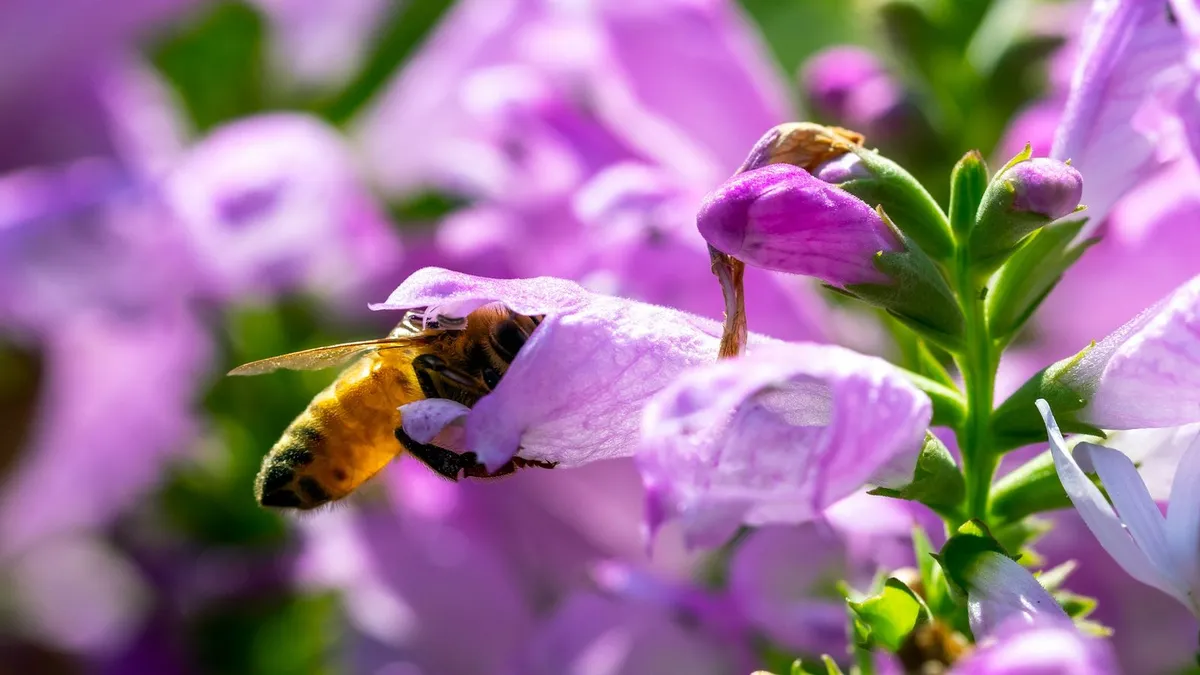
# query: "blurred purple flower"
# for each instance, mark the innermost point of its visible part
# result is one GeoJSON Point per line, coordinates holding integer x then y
{"type": "Point", "coordinates": [1144, 374]}
{"type": "Point", "coordinates": [575, 392]}
{"type": "Point", "coordinates": [851, 86]}
{"type": "Point", "coordinates": [587, 135]}
{"type": "Point", "coordinates": [317, 43]}
{"type": "Point", "coordinates": [272, 204]}
{"type": "Point", "coordinates": [1045, 647]}
{"type": "Point", "coordinates": [57, 76]}
{"type": "Point", "coordinates": [776, 436]}
{"type": "Point", "coordinates": [782, 218]}
{"type": "Point", "coordinates": [1131, 64]}
{"type": "Point", "coordinates": [1160, 552]}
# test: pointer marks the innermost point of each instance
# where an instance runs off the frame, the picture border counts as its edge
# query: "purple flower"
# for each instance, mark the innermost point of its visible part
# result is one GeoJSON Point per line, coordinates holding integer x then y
{"type": "Point", "coordinates": [1157, 551]}
{"type": "Point", "coordinates": [1145, 373]}
{"type": "Point", "coordinates": [1044, 186]}
{"type": "Point", "coordinates": [775, 437]}
{"type": "Point", "coordinates": [272, 204]}
{"type": "Point", "coordinates": [319, 44]}
{"type": "Point", "coordinates": [1046, 647]}
{"type": "Point", "coordinates": [1131, 58]}
{"type": "Point", "coordinates": [575, 392]}
{"type": "Point", "coordinates": [782, 218]}
{"type": "Point", "coordinates": [1000, 591]}
{"type": "Point", "coordinates": [850, 85]}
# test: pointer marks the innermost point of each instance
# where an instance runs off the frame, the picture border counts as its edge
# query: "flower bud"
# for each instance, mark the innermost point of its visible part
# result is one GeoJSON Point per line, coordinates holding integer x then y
{"type": "Point", "coordinates": [879, 181]}
{"type": "Point", "coordinates": [781, 218]}
{"type": "Point", "coordinates": [850, 85]}
{"type": "Point", "coordinates": [1028, 194]}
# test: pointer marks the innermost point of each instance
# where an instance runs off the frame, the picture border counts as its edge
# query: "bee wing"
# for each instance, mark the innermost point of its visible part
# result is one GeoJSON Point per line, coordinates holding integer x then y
{"type": "Point", "coordinates": [319, 358]}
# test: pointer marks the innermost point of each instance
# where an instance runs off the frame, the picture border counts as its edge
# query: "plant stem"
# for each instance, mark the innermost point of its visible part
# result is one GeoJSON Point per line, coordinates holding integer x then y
{"type": "Point", "coordinates": [978, 367]}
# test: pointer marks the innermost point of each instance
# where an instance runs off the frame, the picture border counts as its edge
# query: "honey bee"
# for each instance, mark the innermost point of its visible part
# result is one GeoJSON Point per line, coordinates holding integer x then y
{"type": "Point", "coordinates": [352, 429]}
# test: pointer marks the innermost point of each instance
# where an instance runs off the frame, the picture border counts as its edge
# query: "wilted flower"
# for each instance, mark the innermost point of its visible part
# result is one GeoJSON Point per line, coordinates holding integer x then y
{"type": "Point", "coordinates": [776, 437]}
{"type": "Point", "coordinates": [1157, 551]}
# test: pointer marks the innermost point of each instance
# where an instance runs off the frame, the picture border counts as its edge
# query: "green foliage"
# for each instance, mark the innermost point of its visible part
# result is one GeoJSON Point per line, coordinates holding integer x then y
{"type": "Point", "coordinates": [968, 182]}
{"type": "Point", "coordinates": [1031, 273]}
{"type": "Point", "coordinates": [1031, 488]}
{"type": "Point", "coordinates": [216, 63]}
{"type": "Point", "coordinates": [269, 635]}
{"type": "Point", "coordinates": [889, 616]}
{"type": "Point", "coordinates": [936, 480]}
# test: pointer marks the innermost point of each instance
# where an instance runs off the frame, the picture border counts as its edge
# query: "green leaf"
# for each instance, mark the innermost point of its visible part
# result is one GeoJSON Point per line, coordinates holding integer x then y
{"type": "Point", "coordinates": [403, 31]}
{"type": "Point", "coordinates": [891, 615]}
{"type": "Point", "coordinates": [1053, 578]}
{"type": "Point", "coordinates": [1030, 274]}
{"type": "Point", "coordinates": [268, 635]}
{"type": "Point", "coordinates": [936, 480]}
{"type": "Point", "coordinates": [831, 666]}
{"type": "Point", "coordinates": [1076, 606]}
{"type": "Point", "coordinates": [968, 182]}
{"type": "Point", "coordinates": [216, 63]}
{"type": "Point", "coordinates": [949, 408]}
{"type": "Point", "coordinates": [1019, 535]}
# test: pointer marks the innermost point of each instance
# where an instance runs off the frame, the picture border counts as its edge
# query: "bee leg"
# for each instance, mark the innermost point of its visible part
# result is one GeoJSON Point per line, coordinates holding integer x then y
{"type": "Point", "coordinates": [474, 469]}
{"type": "Point", "coordinates": [445, 462]}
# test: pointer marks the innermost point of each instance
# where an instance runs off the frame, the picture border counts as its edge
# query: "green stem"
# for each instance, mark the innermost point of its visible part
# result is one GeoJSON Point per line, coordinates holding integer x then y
{"type": "Point", "coordinates": [978, 366]}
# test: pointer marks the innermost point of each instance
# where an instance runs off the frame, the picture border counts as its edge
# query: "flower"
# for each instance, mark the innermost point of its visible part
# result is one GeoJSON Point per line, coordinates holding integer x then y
{"type": "Point", "coordinates": [272, 203]}
{"type": "Point", "coordinates": [1000, 591]}
{"type": "Point", "coordinates": [1028, 194]}
{"type": "Point", "coordinates": [775, 437]}
{"type": "Point", "coordinates": [1157, 551]}
{"type": "Point", "coordinates": [1131, 58]}
{"type": "Point", "coordinates": [1045, 647]}
{"type": "Point", "coordinates": [782, 218]}
{"type": "Point", "coordinates": [575, 392]}
{"type": "Point", "coordinates": [1143, 374]}
{"type": "Point", "coordinates": [850, 85]}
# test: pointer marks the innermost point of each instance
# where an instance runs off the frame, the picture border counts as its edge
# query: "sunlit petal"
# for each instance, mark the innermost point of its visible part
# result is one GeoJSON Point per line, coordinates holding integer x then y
{"type": "Point", "coordinates": [1101, 519]}
{"type": "Point", "coordinates": [1000, 590]}
{"type": "Point", "coordinates": [1135, 508]}
{"type": "Point", "coordinates": [1183, 520]}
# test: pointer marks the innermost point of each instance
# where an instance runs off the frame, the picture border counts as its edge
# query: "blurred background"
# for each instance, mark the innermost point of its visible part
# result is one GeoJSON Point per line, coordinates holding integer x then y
{"type": "Point", "coordinates": [188, 185]}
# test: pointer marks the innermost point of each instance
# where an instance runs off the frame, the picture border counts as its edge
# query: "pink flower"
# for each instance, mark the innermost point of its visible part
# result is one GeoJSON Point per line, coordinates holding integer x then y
{"type": "Point", "coordinates": [776, 436]}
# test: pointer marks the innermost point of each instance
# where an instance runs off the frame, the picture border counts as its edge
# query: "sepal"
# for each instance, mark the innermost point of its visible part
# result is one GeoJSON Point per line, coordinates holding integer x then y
{"type": "Point", "coordinates": [968, 182]}
{"type": "Point", "coordinates": [916, 294]}
{"type": "Point", "coordinates": [1031, 273]}
{"type": "Point", "coordinates": [1017, 421]}
{"type": "Point", "coordinates": [949, 408]}
{"type": "Point", "coordinates": [888, 617]}
{"type": "Point", "coordinates": [1031, 488]}
{"type": "Point", "coordinates": [936, 480]}
{"type": "Point", "coordinates": [879, 181]}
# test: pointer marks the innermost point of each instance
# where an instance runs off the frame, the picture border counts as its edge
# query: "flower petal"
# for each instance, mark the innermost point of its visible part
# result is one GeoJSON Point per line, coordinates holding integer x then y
{"type": "Point", "coordinates": [1130, 51]}
{"type": "Point", "coordinates": [1100, 517]}
{"type": "Point", "coordinates": [1183, 520]}
{"type": "Point", "coordinates": [775, 436]}
{"type": "Point", "coordinates": [423, 420]}
{"type": "Point", "coordinates": [1043, 647]}
{"type": "Point", "coordinates": [1001, 590]}
{"type": "Point", "coordinates": [574, 393]}
{"type": "Point", "coordinates": [1134, 507]}
{"type": "Point", "coordinates": [1147, 373]}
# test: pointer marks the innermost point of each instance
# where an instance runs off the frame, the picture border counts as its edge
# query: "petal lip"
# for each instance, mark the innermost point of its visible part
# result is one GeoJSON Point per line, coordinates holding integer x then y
{"type": "Point", "coordinates": [443, 292]}
{"type": "Point", "coordinates": [1096, 512]}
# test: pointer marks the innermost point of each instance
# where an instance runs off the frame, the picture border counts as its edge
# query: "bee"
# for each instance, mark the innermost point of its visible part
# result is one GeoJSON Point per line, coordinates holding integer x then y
{"type": "Point", "coordinates": [352, 428]}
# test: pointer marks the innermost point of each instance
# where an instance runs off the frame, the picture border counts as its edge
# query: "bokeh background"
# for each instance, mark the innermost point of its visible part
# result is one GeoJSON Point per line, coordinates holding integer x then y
{"type": "Point", "coordinates": [187, 185]}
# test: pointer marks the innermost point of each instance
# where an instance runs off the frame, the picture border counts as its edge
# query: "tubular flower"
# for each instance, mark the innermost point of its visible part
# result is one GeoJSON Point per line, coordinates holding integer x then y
{"type": "Point", "coordinates": [1163, 552]}
{"type": "Point", "coordinates": [575, 392]}
{"type": "Point", "coordinates": [782, 218]}
{"type": "Point", "coordinates": [775, 437]}
{"type": "Point", "coordinates": [1131, 58]}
